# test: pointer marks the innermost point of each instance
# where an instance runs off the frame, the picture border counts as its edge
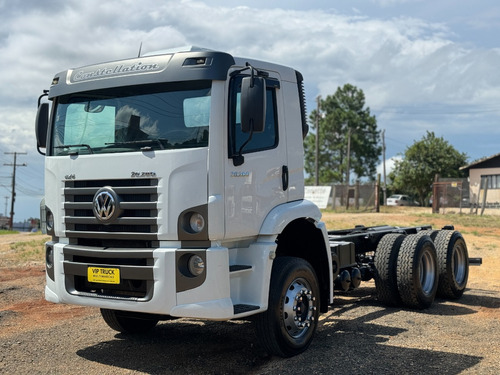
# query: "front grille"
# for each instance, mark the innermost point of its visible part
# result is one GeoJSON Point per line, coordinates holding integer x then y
{"type": "Point", "coordinates": [136, 227]}
{"type": "Point", "coordinates": [136, 272]}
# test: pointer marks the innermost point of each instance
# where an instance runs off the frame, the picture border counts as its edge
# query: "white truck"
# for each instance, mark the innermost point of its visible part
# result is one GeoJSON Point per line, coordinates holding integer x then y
{"type": "Point", "coordinates": [174, 187]}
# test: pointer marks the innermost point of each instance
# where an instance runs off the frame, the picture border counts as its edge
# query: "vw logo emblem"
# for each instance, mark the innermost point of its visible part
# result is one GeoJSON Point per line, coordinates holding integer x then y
{"type": "Point", "coordinates": [105, 205]}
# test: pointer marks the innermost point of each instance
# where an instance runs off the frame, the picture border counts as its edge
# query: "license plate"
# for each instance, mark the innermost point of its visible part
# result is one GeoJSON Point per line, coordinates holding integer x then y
{"type": "Point", "coordinates": [103, 275]}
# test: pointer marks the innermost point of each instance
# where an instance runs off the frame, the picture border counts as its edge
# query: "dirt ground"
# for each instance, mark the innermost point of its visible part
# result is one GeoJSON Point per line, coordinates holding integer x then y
{"type": "Point", "coordinates": [358, 334]}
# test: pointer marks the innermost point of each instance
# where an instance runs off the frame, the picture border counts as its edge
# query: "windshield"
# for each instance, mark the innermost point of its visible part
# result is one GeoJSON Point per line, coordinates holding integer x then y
{"type": "Point", "coordinates": [150, 117]}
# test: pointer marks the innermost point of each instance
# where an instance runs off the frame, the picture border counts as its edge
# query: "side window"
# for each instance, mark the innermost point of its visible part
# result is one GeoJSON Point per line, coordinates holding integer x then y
{"type": "Point", "coordinates": [266, 140]}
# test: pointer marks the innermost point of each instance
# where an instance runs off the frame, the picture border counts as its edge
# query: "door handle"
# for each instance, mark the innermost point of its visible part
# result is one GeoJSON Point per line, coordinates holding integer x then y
{"type": "Point", "coordinates": [284, 177]}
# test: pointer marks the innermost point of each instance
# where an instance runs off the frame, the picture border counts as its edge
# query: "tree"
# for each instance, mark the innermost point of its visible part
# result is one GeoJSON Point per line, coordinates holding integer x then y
{"type": "Point", "coordinates": [341, 115]}
{"type": "Point", "coordinates": [415, 173]}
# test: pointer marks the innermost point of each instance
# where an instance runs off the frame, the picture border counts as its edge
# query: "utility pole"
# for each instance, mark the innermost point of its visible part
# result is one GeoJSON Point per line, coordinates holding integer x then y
{"type": "Point", "coordinates": [318, 99]}
{"type": "Point", "coordinates": [347, 177]}
{"type": "Point", "coordinates": [384, 186]}
{"type": "Point", "coordinates": [14, 165]}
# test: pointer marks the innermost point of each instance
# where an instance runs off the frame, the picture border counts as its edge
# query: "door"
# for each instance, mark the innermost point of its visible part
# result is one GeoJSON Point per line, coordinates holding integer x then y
{"type": "Point", "coordinates": [258, 185]}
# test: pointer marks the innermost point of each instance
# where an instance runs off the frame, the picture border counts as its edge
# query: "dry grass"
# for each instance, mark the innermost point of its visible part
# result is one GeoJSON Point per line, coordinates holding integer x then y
{"type": "Point", "coordinates": [17, 249]}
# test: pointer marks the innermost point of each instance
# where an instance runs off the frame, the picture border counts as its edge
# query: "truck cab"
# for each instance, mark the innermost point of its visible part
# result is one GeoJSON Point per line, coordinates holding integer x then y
{"type": "Point", "coordinates": [168, 179]}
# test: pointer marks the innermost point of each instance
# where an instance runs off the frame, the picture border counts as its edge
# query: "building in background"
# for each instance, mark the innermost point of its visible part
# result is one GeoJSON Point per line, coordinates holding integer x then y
{"type": "Point", "coordinates": [484, 181]}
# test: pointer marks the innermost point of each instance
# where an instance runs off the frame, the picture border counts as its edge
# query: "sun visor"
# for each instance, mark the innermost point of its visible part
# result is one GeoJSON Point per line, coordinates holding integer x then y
{"type": "Point", "coordinates": [183, 66]}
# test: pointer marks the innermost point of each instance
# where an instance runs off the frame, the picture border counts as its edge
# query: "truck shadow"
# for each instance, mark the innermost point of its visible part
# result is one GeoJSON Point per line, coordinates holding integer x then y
{"type": "Point", "coordinates": [347, 340]}
{"type": "Point", "coordinates": [223, 348]}
{"type": "Point", "coordinates": [475, 298]}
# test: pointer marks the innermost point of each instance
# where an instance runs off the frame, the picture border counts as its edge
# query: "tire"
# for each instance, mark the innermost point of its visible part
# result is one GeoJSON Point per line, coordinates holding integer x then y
{"type": "Point", "coordinates": [127, 322]}
{"type": "Point", "coordinates": [386, 256]}
{"type": "Point", "coordinates": [453, 264]}
{"type": "Point", "coordinates": [432, 233]}
{"type": "Point", "coordinates": [417, 271]}
{"type": "Point", "coordinates": [287, 327]}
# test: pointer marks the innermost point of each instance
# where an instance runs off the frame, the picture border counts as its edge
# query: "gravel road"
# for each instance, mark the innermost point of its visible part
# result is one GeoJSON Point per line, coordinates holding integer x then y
{"type": "Point", "coordinates": [357, 336]}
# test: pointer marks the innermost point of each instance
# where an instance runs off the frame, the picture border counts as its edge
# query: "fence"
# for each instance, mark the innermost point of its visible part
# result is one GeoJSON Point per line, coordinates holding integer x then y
{"type": "Point", "coordinates": [358, 196]}
{"type": "Point", "coordinates": [450, 194]}
{"type": "Point", "coordinates": [457, 195]}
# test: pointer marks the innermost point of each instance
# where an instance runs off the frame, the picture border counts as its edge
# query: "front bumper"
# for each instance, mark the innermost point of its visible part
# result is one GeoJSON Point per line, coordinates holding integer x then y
{"type": "Point", "coordinates": [151, 281]}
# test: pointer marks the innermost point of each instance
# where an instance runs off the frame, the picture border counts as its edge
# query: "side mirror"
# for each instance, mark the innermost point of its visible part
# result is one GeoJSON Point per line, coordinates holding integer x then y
{"type": "Point", "coordinates": [41, 125]}
{"type": "Point", "coordinates": [253, 104]}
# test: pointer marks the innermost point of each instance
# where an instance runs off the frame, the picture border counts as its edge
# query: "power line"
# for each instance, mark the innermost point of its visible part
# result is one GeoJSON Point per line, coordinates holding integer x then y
{"type": "Point", "coordinates": [29, 185]}
{"type": "Point", "coordinates": [432, 111]}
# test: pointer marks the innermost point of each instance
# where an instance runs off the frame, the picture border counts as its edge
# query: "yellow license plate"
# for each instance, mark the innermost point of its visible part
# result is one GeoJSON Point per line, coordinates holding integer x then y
{"type": "Point", "coordinates": [103, 275]}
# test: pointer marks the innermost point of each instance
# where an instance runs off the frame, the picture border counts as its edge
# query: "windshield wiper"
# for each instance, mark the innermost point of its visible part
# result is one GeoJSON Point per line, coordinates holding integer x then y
{"type": "Point", "coordinates": [144, 142]}
{"type": "Point", "coordinates": [77, 145]}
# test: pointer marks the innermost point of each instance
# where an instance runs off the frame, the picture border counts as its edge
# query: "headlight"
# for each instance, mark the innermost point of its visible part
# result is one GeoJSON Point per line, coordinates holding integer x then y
{"type": "Point", "coordinates": [196, 265]}
{"type": "Point", "coordinates": [196, 222]}
{"type": "Point", "coordinates": [192, 224]}
{"type": "Point", "coordinates": [50, 221]}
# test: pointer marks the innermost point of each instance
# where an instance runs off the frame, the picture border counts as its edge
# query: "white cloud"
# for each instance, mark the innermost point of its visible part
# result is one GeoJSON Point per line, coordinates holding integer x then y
{"type": "Point", "coordinates": [386, 3]}
{"type": "Point", "coordinates": [397, 62]}
{"type": "Point", "coordinates": [389, 167]}
{"type": "Point", "coordinates": [415, 73]}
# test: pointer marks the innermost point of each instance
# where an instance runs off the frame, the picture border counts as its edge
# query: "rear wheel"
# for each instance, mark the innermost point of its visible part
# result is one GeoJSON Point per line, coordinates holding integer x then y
{"type": "Point", "coordinates": [453, 264]}
{"type": "Point", "coordinates": [432, 233]}
{"type": "Point", "coordinates": [417, 271]}
{"type": "Point", "coordinates": [287, 327]}
{"type": "Point", "coordinates": [129, 322]}
{"type": "Point", "coordinates": [386, 256]}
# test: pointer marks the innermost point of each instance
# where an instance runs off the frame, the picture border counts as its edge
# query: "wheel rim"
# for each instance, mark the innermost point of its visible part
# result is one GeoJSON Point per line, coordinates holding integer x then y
{"type": "Point", "coordinates": [299, 306]}
{"type": "Point", "coordinates": [459, 264]}
{"type": "Point", "coordinates": [427, 270]}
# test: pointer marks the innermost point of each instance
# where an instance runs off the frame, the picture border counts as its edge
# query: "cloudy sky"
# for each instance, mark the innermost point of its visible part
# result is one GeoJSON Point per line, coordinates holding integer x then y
{"type": "Point", "coordinates": [423, 65]}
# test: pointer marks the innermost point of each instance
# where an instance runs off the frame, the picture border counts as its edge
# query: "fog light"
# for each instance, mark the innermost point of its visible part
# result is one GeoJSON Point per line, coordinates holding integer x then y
{"type": "Point", "coordinates": [49, 256]}
{"type": "Point", "coordinates": [196, 222]}
{"type": "Point", "coordinates": [196, 265]}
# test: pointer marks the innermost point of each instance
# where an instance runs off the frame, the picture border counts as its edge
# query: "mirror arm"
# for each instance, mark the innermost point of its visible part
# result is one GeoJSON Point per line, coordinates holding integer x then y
{"type": "Point", "coordinates": [239, 159]}
{"type": "Point", "coordinates": [40, 151]}
{"type": "Point", "coordinates": [45, 93]}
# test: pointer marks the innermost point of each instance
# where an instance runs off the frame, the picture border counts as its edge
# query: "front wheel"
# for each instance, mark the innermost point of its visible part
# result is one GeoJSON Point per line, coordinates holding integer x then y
{"type": "Point", "coordinates": [287, 327]}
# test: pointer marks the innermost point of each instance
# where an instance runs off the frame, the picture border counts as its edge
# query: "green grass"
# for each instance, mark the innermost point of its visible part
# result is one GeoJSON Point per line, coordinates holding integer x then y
{"type": "Point", "coordinates": [470, 221]}
{"type": "Point", "coordinates": [4, 231]}
{"type": "Point", "coordinates": [467, 222]}
{"type": "Point", "coordinates": [30, 250]}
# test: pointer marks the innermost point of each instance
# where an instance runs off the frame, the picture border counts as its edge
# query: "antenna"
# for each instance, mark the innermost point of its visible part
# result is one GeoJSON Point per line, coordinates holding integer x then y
{"type": "Point", "coordinates": [140, 48]}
